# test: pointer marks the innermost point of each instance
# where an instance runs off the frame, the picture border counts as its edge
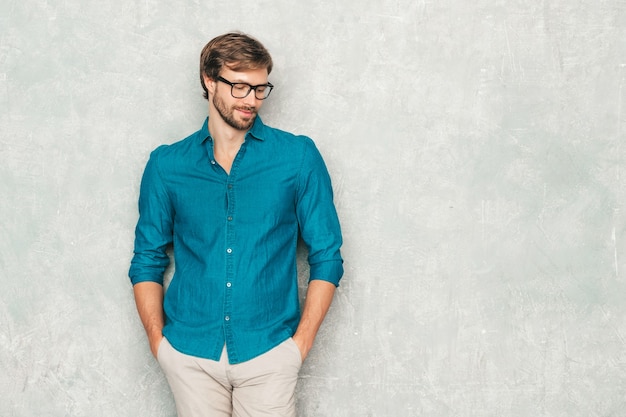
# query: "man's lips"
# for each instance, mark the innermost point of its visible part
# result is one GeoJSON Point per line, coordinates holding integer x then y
{"type": "Point", "coordinates": [246, 111]}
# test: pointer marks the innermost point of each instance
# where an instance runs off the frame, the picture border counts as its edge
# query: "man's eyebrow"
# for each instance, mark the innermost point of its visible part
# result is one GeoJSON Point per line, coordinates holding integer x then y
{"type": "Point", "coordinates": [236, 81]}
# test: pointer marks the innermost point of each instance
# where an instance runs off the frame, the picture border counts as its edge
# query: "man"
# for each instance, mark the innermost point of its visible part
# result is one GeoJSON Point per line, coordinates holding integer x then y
{"type": "Point", "coordinates": [232, 199]}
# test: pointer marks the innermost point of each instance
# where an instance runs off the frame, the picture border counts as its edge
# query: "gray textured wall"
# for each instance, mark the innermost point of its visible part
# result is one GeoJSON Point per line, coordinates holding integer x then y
{"type": "Point", "coordinates": [477, 152]}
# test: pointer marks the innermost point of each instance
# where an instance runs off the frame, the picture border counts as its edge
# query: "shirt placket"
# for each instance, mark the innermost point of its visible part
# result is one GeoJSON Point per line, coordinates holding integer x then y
{"type": "Point", "coordinates": [230, 266]}
{"type": "Point", "coordinates": [231, 253]}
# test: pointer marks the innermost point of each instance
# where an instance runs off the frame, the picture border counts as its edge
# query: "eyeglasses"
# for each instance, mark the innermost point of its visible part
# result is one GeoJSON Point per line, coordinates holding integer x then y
{"type": "Point", "coordinates": [241, 90]}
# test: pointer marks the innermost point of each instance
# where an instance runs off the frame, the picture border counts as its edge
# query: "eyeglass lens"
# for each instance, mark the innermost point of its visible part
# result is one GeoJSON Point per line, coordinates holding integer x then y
{"type": "Point", "coordinates": [242, 90]}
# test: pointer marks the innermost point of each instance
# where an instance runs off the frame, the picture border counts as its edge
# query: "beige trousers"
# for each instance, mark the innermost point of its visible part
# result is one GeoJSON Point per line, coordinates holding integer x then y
{"type": "Point", "coordinates": [261, 387]}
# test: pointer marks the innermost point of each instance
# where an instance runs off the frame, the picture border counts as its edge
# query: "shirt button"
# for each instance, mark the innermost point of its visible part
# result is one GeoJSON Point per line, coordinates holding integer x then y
{"type": "Point", "coordinates": [227, 318]}
{"type": "Point", "coordinates": [230, 218]}
{"type": "Point", "coordinates": [212, 162]}
{"type": "Point", "coordinates": [229, 250]}
{"type": "Point", "coordinates": [228, 284]}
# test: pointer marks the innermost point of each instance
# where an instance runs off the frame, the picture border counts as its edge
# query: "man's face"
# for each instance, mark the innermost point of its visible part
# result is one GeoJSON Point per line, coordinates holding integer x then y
{"type": "Point", "coordinates": [239, 113]}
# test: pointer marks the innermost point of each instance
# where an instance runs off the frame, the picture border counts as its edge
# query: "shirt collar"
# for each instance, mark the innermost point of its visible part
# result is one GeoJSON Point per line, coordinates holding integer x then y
{"type": "Point", "coordinates": [257, 131]}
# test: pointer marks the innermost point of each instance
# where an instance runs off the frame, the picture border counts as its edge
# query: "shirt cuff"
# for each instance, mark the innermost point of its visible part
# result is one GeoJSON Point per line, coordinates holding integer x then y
{"type": "Point", "coordinates": [330, 271]}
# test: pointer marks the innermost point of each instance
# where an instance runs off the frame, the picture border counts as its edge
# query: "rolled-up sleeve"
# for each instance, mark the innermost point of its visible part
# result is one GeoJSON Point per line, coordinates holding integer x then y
{"type": "Point", "coordinates": [153, 233]}
{"type": "Point", "coordinates": [317, 217]}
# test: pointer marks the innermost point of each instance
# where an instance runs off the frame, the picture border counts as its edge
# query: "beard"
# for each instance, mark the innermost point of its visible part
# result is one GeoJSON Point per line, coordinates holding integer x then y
{"type": "Point", "coordinates": [228, 114]}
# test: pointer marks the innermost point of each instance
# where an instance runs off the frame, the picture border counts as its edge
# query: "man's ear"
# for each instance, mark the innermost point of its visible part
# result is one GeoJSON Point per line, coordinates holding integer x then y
{"type": "Point", "coordinates": [209, 83]}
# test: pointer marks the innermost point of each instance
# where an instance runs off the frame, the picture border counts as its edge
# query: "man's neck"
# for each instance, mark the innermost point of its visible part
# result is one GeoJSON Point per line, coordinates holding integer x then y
{"type": "Point", "coordinates": [225, 136]}
{"type": "Point", "coordinates": [226, 141]}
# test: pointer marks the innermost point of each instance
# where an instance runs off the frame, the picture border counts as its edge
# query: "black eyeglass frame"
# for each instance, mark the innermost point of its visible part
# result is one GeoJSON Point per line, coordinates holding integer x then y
{"type": "Point", "coordinates": [250, 88]}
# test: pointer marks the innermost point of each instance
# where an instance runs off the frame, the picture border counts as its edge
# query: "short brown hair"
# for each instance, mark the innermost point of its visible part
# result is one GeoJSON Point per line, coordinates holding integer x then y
{"type": "Point", "coordinates": [237, 51]}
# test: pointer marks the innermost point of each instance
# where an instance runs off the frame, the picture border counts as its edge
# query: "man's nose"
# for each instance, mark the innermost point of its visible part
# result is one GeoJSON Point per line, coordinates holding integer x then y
{"type": "Point", "coordinates": [251, 99]}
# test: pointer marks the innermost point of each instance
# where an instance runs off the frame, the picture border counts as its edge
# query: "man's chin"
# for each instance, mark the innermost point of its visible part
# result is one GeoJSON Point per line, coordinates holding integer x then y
{"type": "Point", "coordinates": [242, 124]}
{"type": "Point", "coordinates": [246, 123]}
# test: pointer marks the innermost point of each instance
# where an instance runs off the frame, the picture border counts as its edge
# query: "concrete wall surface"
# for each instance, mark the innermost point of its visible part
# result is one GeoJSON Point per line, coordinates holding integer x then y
{"type": "Point", "coordinates": [477, 152]}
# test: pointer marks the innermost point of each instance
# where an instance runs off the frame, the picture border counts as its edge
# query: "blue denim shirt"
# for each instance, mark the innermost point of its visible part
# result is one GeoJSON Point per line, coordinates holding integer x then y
{"type": "Point", "coordinates": [234, 239]}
